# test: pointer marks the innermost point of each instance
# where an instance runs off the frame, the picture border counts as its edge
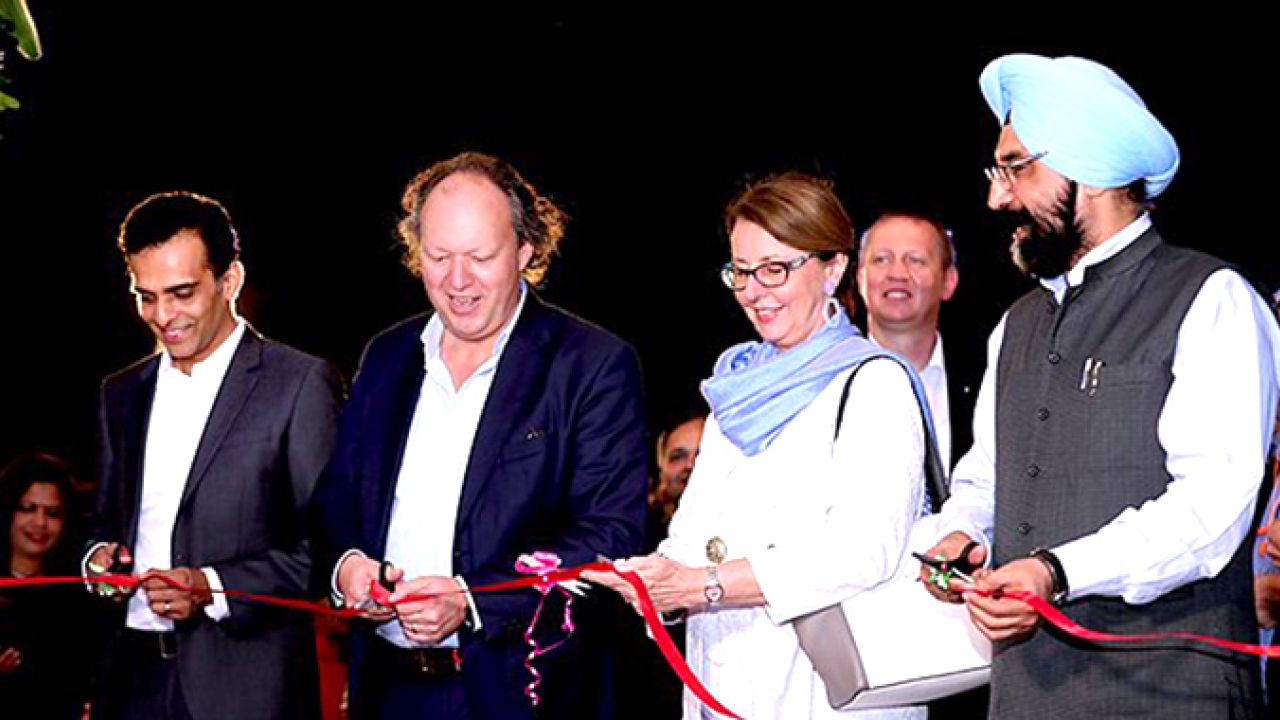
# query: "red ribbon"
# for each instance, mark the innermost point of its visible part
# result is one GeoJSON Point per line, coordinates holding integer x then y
{"type": "Point", "coordinates": [659, 632]}
{"type": "Point", "coordinates": [1075, 629]}
{"type": "Point", "coordinates": [546, 579]}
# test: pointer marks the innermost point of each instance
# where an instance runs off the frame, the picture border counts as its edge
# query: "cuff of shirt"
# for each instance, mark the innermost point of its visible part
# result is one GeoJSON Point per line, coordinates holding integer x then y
{"type": "Point", "coordinates": [217, 609]}
{"type": "Point", "coordinates": [1074, 557]}
{"type": "Point", "coordinates": [473, 615]}
{"type": "Point", "coordinates": [975, 533]}
{"type": "Point", "coordinates": [335, 592]}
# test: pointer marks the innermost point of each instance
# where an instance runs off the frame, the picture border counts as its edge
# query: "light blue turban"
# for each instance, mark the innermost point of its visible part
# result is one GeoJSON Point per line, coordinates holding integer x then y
{"type": "Point", "coordinates": [1096, 129]}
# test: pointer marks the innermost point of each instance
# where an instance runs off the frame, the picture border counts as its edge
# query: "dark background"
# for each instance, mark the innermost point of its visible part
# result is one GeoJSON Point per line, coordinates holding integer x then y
{"type": "Point", "coordinates": [306, 123]}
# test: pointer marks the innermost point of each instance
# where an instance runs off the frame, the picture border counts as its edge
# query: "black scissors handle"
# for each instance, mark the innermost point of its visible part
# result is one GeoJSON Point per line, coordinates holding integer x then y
{"type": "Point", "coordinates": [383, 569]}
{"type": "Point", "coordinates": [960, 564]}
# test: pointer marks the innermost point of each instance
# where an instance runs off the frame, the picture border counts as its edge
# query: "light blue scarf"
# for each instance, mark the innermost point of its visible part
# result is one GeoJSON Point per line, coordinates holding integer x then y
{"type": "Point", "coordinates": [756, 389]}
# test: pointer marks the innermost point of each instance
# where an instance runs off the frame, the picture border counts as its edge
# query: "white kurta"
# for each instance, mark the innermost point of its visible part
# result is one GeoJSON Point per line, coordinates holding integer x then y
{"type": "Point", "coordinates": [818, 523]}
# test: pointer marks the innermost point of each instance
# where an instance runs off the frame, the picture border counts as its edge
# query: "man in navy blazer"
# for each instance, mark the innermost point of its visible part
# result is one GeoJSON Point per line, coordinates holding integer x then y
{"type": "Point", "coordinates": [496, 426]}
{"type": "Point", "coordinates": [207, 455]}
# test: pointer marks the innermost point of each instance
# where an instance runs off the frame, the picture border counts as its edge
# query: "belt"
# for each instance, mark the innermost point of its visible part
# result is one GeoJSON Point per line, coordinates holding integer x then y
{"type": "Point", "coordinates": [432, 661]}
{"type": "Point", "coordinates": [151, 645]}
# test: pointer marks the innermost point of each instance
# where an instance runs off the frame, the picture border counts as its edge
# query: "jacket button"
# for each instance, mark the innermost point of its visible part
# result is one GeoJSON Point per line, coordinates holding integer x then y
{"type": "Point", "coordinates": [1054, 357]}
{"type": "Point", "coordinates": [1042, 414]}
{"type": "Point", "coordinates": [1024, 528]}
{"type": "Point", "coordinates": [1033, 470]}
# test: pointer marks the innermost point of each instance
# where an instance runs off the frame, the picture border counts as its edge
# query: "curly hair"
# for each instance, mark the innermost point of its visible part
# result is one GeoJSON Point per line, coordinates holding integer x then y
{"type": "Point", "coordinates": [535, 219]}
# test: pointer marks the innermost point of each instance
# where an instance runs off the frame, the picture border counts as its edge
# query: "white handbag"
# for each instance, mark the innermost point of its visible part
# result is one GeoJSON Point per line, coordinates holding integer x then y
{"type": "Point", "coordinates": [895, 644]}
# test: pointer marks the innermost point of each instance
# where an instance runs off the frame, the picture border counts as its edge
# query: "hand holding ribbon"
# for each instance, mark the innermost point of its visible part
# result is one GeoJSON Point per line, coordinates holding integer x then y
{"type": "Point", "coordinates": [997, 599]}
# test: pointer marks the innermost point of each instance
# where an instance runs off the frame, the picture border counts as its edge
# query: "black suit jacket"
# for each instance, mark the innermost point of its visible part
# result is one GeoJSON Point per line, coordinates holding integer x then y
{"type": "Point", "coordinates": [269, 433]}
{"type": "Point", "coordinates": [558, 463]}
{"type": "Point", "coordinates": [964, 375]}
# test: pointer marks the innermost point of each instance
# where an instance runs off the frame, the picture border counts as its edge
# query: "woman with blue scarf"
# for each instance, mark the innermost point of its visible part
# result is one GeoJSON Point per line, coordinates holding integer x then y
{"type": "Point", "coordinates": [781, 517]}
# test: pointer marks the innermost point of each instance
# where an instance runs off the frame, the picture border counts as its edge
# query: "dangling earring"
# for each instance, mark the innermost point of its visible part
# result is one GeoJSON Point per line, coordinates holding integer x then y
{"type": "Point", "coordinates": [832, 306]}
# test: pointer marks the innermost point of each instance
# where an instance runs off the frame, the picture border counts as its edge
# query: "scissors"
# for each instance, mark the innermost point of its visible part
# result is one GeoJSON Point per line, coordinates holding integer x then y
{"type": "Point", "coordinates": [945, 569]}
{"type": "Point", "coordinates": [379, 593]}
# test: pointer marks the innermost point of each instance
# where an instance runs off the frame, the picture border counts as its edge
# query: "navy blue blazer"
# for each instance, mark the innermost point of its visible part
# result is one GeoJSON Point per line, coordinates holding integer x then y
{"type": "Point", "coordinates": [558, 463]}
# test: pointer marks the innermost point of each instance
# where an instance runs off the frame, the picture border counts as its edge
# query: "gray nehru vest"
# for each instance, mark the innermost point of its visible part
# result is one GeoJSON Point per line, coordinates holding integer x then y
{"type": "Point", "coordinates": [1075, 447]}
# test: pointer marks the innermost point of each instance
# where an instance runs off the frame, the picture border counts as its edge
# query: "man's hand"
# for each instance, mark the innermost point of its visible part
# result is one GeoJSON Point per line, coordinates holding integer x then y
{"type": "Point", "coordinates": [1005, 618]}
{"type": "Point", "coordinates": [356, 575]}
{"type": "Point", "coordinates": [1266, 599]}
{"type": "Point", "coordinates": [176, 603]}
{"type": "Point", "coordinates": [950, 547]}
{"type": "Point", "coordinates": [433, 619]}
{"type": "Point", "coordinates": [10, 660]}
{"type": "Point", "coordinates": [102, 562]}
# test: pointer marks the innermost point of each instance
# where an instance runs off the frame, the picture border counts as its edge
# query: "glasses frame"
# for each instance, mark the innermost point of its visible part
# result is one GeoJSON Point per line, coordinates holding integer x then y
{"type": "Point", "coordinates": [1006, 173]}
{"type": "Point", "coordinates": [730, 274]}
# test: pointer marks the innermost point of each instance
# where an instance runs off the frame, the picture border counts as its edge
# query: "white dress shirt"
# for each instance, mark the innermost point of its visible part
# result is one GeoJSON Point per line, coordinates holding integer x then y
{"type": "Point", "coordinates": [934, 377]}
{"type": "Point", "coordinates": [179, 412]}
{"type": "Point", "coordinates": [429, 486]}
{"type": "Point", "coordinates": [1215, 427]}
{"type": "Point", "coordinates": [818, 521]}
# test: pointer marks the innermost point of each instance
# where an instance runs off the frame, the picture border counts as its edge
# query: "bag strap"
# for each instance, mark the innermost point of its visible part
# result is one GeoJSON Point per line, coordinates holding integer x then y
{"type": "Point", "coordinates": [935, 475]}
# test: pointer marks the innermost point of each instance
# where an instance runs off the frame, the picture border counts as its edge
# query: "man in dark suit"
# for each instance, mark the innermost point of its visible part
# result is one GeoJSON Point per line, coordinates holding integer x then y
{"type": "Point", "coordinates": [906, 270]}
{"type": "Point", "coordinates": [496, 426]}
{"type": "Point", "coordinates": [208, 453]}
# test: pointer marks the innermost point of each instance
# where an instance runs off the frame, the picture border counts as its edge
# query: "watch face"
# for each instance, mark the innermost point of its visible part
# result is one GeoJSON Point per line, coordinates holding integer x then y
{"type": "Point", "coordinates": [714, 593]}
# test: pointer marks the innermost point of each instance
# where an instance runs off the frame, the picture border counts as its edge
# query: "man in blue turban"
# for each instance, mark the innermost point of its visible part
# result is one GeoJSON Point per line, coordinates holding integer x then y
{"type": "Point", "coordinates": [1123, 421]}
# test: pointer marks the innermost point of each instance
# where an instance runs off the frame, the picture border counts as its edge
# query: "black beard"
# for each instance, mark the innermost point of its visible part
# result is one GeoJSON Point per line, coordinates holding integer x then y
{"type": "Point", "coordinates": [1050, 244]}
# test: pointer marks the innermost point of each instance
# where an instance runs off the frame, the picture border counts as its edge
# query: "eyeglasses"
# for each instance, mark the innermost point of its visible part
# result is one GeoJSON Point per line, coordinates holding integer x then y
{"type": "Point", "coordinates": [768, 274]}
{"type": "Point", "coordinates": [1006, 173]}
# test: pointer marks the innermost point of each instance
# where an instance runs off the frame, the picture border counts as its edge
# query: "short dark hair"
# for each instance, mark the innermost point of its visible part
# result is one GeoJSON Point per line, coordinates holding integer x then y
{"type": "Point", "coordinates": [535, 219]}
{"type": "Point", "coordinates": [16, 478]}
{"type": "Point", "coordinates": [946, 243]}
{"type": "Point", "coordinates": [155, 221]}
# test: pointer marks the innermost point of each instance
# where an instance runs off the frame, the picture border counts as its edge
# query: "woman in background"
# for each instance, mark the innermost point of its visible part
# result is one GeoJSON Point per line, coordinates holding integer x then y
{"type": "Point", "coordinates": [49, 638]}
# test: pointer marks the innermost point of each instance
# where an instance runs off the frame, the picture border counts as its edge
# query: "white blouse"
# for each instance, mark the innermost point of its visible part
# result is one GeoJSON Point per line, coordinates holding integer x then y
{"type": "Point", "coordinates": [818, 521]}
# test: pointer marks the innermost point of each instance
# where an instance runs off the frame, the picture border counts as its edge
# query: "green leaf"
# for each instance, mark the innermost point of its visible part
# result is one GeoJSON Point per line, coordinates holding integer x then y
{"type": "Point", "coordinates": [24, 27]}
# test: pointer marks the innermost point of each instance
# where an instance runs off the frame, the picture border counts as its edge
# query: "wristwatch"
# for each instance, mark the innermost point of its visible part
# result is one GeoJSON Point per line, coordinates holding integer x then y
{"type": "Point", "coordinates": [713, 591]}
{"type": "Point", "coordinates": [1060, 590]}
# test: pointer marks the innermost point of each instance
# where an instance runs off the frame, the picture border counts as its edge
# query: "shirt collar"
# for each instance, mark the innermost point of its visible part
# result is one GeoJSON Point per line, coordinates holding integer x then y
{"type": "Point", "coordinates": [1111, 247]}
{"type": "Point", "coordinates": [214, 366]}
{"type": "Point", "coordinates": [434, 331]}
{"type": "Point", "coordinates": [936, 359]}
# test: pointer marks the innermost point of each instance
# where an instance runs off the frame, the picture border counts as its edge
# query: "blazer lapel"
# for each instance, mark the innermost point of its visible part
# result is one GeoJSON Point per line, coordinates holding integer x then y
{"type": "Point", "coordinates": [516, 384]}
{"type": "Point", "coordinates": [237, 385]}
{"type": "Point", "coordinates": [136, 416]}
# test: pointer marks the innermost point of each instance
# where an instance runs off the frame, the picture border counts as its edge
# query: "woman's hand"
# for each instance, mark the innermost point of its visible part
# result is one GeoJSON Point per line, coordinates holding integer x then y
{"type": "Point", "coordinates": [671, 585]}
